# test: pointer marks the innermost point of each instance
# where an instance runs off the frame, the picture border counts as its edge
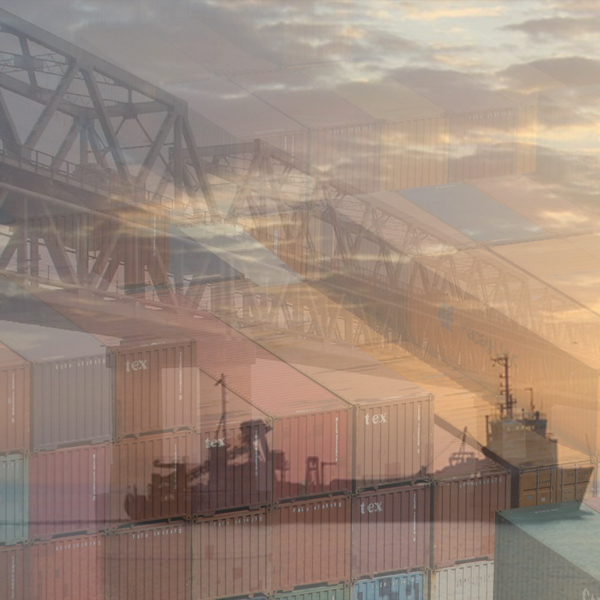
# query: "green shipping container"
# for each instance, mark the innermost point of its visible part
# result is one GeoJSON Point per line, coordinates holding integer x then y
{"type": "Point", "coordinates": [332, 592]}
{"type": "Point", "coordinates": [547, 552]}
{"type": "Point", "coordinates": [14, 499]}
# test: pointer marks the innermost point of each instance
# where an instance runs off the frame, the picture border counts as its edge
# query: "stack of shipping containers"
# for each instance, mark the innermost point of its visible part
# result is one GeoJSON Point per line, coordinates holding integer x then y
{"type": "Point", "coordinates": [384, 512]}
{"type": "Point", "coordinates": [468, 489]}
{"type": "Point", "coordinates": [59, 390]}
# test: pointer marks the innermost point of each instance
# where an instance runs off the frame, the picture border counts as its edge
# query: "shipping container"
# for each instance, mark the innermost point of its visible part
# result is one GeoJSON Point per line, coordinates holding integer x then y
{"type": "Point", "coordinates": [547, 553]}
{"type": "Point", "coordinates": [391, 530]}
{"type": "Point", "coordinates": [67, 568]}
{"type": "Point", "coordinates": [71, 387]}
{"type": "Point", "coordinates": [12, 572]}
{"type": "Point", "coordinates": [328, 592]}
{"type": "Point", "coordinates": [414, 145]}
{"type": "Point", "coordinates": [14, 498]}
{"type": "Point", "coordinates": [343, 141]}
{"type": "Point", "coordinates": [392, 416]}
{"type": "Point", "coordinates": [68, 491]}
{"type": "Point", "coordinates": [231, 555]}
{"type": "Point", "coordinates": [403, 586]}
{"type": "Point", "coordinates": [311, 542]}
{"type": "Point", "coordinates": [466, 581]}
{"type": "Point", "coordinates": [150, 477]}
{"type": "Point", "coordinates": [311, 427]}
{"type": "Point", "coordinates": [15, 399]}
{"type": "Point", "coordinates": [154, 365]}
{"type": "Point", "coordinates": [150, 562]}
{"type": "Point", "coordinates": [488, 134]}
{"type": "Point", "coordinates": [463, 516]}
{"type": "Point", "coordinates": [235, 467]}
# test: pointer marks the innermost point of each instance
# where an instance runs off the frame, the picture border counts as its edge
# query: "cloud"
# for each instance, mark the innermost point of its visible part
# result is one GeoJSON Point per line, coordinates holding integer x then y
{"type": "Point", "coordinates": [554, 28]}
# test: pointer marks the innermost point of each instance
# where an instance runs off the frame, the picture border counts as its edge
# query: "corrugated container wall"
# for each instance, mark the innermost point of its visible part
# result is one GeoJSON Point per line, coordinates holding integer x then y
{"type": "Point", "coordinates": [153, 364]}
{"type": "Point", "coordinates": [235, 467]}
{"type": "Point", "coordinates": [468, 581]}
{"type": "Point", "coordinates": [71, 384]}
{"type": "Point", "coordinates": [414, 145]}
{"type": "Point", "coordinates": [391, 530]}
{"type": "Point", "coordinates": [68, 568]}
{"type": "Point", "coordinates": [547, 553]}
{"type": "Point", "coordinates": [392, 416]}
{"type": "Point", "coordinates": [150, 477]}
{"type": "Point", "coordinates": [149, 563]}
{"type": "Point", "coordinates": [12, 572]}
{"type": "Point", "coordinates": [463, 518]}
{"type": "Point", "coordinates": [231, 555]}
{"type": "Point", "coordinates": [329, 592]}
{"type": "Point", "coordinates": [155, 387]}
{"type": "Point", "coordinates": [311, 542]}
{"type": "Point", "coordinates": [15, 401]}
{"type": "Point", "coordinates": [14, 498]}
{"type": "Point", "coordinates": [404, 586]}
{"type": "Point", "coordinates": [68, 491]}
{"type": "Point", "coordinates": [312, 428]}
{"type": "Point", "coordinates": [343, 141]}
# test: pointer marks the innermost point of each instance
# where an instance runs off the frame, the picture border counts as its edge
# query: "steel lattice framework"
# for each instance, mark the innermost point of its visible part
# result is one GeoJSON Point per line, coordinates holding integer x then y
{"type": "Point", "coordinates": [103, 164]}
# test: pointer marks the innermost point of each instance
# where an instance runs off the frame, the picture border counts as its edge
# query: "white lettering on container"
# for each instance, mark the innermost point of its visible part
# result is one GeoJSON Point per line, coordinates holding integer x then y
{"type": "Point", "coordinates": [136, 365]}
{"type": "Point", "coordinates": [376, 419]}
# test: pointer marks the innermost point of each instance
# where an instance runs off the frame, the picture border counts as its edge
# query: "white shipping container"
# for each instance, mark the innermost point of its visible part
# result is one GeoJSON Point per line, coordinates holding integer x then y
{"type": "Point", "coordinates": [468, 581]}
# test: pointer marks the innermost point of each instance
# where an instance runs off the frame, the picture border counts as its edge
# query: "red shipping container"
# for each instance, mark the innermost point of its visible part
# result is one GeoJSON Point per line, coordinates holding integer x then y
{"type": "Point", "coordinates": [155, 378]}
{"type": "Point", "coordinates": [234, 467]}
{"type": "Point", "coordinates": [311, 542]}
{"type": "Point", "coordinates": [15, 402]}
{"type": "Point", "coordinates": [231, 555]}
{"type": "Point", "coordinates": [12, 566]}
{"type": "Point", "coordinates": [155, 387]}
{"type": "Point", "coordinates": [464, 516]}
{"type": "Point", "coordinates": [312, 430]}
{"type": "Point", "coordinates": [69, 568]}
{"type": "Point", "coordinates": [393, 416]}
{"type": "Point", "coordinates": [150, 477]}
{"type": "Point", "coordinates": [149, 563]}
{"type": "Point", "coordinates": [68, 491]}
{"type": "Point", "coordinates": [391, 530]}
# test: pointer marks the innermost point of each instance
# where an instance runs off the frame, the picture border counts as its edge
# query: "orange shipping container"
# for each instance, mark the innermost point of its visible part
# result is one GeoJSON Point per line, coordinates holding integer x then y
{"type": "Point", "coordinates": [12, 566]}
{"type": "Point", "coordinates": [391, 530]}
{"type": "Point", "coordinates": [464, 516]}
{"type": "Point", "coordinates": [155, 387]}
{"type": "Point", "coordinates": [68, 491]}
{"type": "Point", "coordinates": [231, 555]}
{"type": "Point", "coordinates": [69, 568]}
{"type": "Point", "coordinates": [312, 428]}
{"type": "Point", "coordinates": [311, 542]}
{"type": "Point", "coordinates": [150, 477]}
{"type": "Point", "coordinates": [149, 563]}
{"type": "Point", "coordinates": [15, 402]}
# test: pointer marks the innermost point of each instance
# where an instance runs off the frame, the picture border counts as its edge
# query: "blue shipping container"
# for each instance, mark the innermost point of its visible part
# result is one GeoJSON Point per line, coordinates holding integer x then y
{"type": "Point", "coordinates": [14, 499]}
{"type": "Point", "coordinates": [403, 586]}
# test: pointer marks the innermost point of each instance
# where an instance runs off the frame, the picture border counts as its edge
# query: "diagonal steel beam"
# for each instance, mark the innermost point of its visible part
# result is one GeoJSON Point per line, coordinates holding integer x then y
{"type": "Point", "coordinates": [8, 131]}
{"type": "Point", "coordinates": [66, 144]}
{"type": "Point", "coordinates": [106, 125]}
{"type": "Point", "coordinates": [157, 146]}
{"type": "Point", "coordinates": [28, 60]}
{"type": "Point", "coordinates": [200, 174]}
{"type": "Point", "coordinates": [40, 126]}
